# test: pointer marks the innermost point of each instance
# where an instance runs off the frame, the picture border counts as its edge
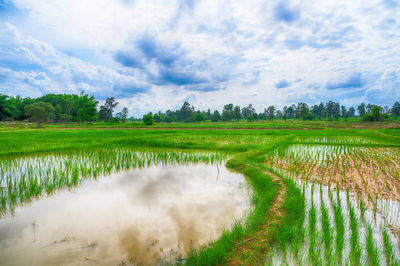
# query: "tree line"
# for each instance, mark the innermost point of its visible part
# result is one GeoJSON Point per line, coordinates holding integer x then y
{"type": "Point", "coordinates": [328, 111]}
{"type": "Point", "coordinates": [61, 108]}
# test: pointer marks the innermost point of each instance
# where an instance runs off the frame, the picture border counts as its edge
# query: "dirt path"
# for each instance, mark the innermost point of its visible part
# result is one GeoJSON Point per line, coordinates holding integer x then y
{"type": "Point", "coordinates": [253, 249]}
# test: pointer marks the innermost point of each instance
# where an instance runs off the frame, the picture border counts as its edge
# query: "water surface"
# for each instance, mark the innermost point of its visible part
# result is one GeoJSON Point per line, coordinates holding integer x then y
{"type": "Point", "coordinates": [145, 216]}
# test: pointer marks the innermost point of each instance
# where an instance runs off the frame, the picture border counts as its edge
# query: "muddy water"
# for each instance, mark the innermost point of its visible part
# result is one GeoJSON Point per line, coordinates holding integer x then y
{"type": "Point", "coordinates": [144, 216]}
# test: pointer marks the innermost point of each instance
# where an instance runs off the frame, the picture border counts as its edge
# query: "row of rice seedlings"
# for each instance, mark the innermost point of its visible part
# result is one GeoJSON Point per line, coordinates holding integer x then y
{"type": "Point", "coordinates": [224, 139]}
{"type": "Point", "coordinates": [326, 225]}
{"type": "Point", "coordinates": [341, 235]}
{"type": "Point", "coordinates": [335, 140]}
{"type": "Point", "coordinates": [363, 168]}
{"type": "Point", "coordinates": [355, 248]}
{"type": "Point", "coordinates": [22, 179]}
{"type": "Point", "coordinates": [389, 249]}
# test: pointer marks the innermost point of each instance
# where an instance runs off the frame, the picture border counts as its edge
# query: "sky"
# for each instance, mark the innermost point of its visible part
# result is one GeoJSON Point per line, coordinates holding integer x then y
{"type": "Point", "coordinates": [155, 55]}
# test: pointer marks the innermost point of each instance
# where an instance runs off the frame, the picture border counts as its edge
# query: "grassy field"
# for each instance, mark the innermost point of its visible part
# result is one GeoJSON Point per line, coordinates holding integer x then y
{"type": "Point", "coordinates": [325, 196]}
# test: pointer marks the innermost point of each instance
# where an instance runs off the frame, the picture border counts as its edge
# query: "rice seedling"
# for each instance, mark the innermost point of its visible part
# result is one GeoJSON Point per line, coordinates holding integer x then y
{"type": "Point", "coordinates": [372, 250]}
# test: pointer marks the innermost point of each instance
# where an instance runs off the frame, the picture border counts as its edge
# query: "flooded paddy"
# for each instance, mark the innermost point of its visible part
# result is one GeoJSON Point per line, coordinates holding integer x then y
{"type": "Point", "coordinates": [145, 216]}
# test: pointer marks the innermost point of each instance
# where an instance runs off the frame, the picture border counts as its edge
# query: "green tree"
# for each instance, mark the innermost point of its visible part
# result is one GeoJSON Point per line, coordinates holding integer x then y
{"type": "Point", "coordinates": [157, 118]}
{"type": "Point", "coordinates": [208, 114]}
{"type": "Point", "coordinates": [148, 119]}
{"type": "Point", "coordinates": [303, 111]}
{"type": "Point", "coordinates": [236, 113]}
{"type": "Point", "coordinates": [271, 112]}
{"type": "Point", "coordinates": [58, 113]}
{"type": "Point", "coordinates": [376, 114]}
{"type": "Point", "coordinates": [250, 118]}
{"type": "Point", "coordinates": [106, 110]}
{"type": "Point", "coordinates": [40, 112]}
{"type": "Point", "coordinates": [352, 112]}
{"type": "Point", "coordinates": [248, 111]}
{"type": "Point", "coordinates": [226, 115]}
{"type": "Point", "coordinates": [228, 110]}
{"type": "Point", "coordinates": [7, 108]}
{"type": "Point", "coordinates": [361, 110]}
{"type": "Point", "coordinates": [216, 116]}
{"type": "Point", "coordinates": [343, 111]}
{"type": "Point", "coordinates": [124, 113]}
{"type": "Point", "coordinates": [187, 112]}
{"type": "Point", "coordinates": [198, 116]}
{"type": "Point", "coordinates": [396, 109]}
{"type": "Point", "coordinates": [86, 107]}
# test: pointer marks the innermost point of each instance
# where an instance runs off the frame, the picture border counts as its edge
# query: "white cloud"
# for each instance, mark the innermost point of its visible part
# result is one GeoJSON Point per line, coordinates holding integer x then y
{"type": "Point", "coordinates": [242, 49]}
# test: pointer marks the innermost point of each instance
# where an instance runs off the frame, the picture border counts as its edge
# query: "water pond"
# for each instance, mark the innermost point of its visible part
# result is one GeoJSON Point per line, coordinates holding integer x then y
{"type": "Point", "coordinates": [146, 216]}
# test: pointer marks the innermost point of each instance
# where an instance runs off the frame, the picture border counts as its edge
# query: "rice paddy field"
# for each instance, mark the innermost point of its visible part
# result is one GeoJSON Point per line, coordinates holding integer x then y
{"type": "Point", "coordinates": [309, 196]}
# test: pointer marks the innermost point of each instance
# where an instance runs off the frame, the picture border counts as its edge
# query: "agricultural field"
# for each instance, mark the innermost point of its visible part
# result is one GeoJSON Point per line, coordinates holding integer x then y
{"type": "Point", "coordinates": [312, 195]}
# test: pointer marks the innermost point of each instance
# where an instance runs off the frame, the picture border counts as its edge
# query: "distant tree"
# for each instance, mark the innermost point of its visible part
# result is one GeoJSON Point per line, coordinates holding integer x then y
{"type": "Point", "coordinates": [369, 108]}
{"type": "Point", "coordinates": [255, 115]}
{"type": "Point", "coordinates": [279, 114]}
{"type": "Point", "coordinates": [303, 110]}
{"type": "Point", "coordinates": [321, 110]}
{"type": "Point", "coordinates": [250, 118]}
{"type": "Point", "coordinates": [248, 111]}
{"type": "Point", "coordinates": [396, 109]}
{"type": "Point", "coordinates": [40, 112]}
{"type": "Point", "coordinates": [107, 109]}
{"type": "Point", "coordinates": [285, 113]}
{"type": "Point", "coordinates": [187, 112]}
{"type": "Point", "coordinates": [124, 113]}
{"type": "Point", "coordinates": [290, 112]}
{"type": "Point", "coordinates": [148, 119]}
{"type": "Point", "coordinates": [103, 113]}
{"type": "Point", "coordinates": [228, 107]}
{"type": "Point", "coordinates": [215, 117]}
{"type": "Point", "coordinates": [236, 113]}
{"type": "Point", "coordinates": [86, 107]}
{"type": "Point", "coordinates": [271, 112]}
{"type": "Point", "coordinates": [376, 114]}
{"type": "Point", "coordinates": [315, 110]}
{"type": "Point", "coordinates": [227, 112]}
{"type": "Point", "coordinates": [208, 117]}
{"type": "Point", "coordinates": [157, 118]}
{"type": "Point", "coordinates": [352, 112]}
{"type": "Point", "coordinates": [361, 110]}
{"type": "Point", "coordinates": [58, 113]}
{"type": "Point", "coordinates": [170, 116]}
{"type": "Point", "coordinates": [343, 111]}
{"type": "Point", "coordinates": [7, 108]}
{"type": "Point", "coordinates": [309, 116]}
{"type": "Point", "coordinates": [199, 116]}
{"type": "Point", "coordinates": [226, 115]}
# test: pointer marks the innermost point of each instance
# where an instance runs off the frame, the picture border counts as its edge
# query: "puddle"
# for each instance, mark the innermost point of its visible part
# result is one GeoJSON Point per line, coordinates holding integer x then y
{"type": "Point", "coordinates": [145, 216]}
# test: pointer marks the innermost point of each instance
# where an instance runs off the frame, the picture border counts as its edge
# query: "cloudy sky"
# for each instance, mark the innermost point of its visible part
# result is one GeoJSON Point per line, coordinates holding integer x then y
{"type": "Point", "coordinates": [154, 55]}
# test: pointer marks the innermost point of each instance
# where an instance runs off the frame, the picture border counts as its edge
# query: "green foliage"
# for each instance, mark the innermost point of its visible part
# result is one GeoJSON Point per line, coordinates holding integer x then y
{"type": "Point", "coordinates": [40, 112]}
{"type": "Point", "coordinates": [148, 119]}
{"type": "Point", "coordinates": [107, 109]}
{"type": "Point", "coordinates": [215, 117]}
{"type": "Point", "coordinates": [157, 118]}
{"type": "Point", "coordinates": [237, 113]}
{"type": "Point", "coordinates": [199, 117]}
{"type": "Point", "coordinates": [375, 115]}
